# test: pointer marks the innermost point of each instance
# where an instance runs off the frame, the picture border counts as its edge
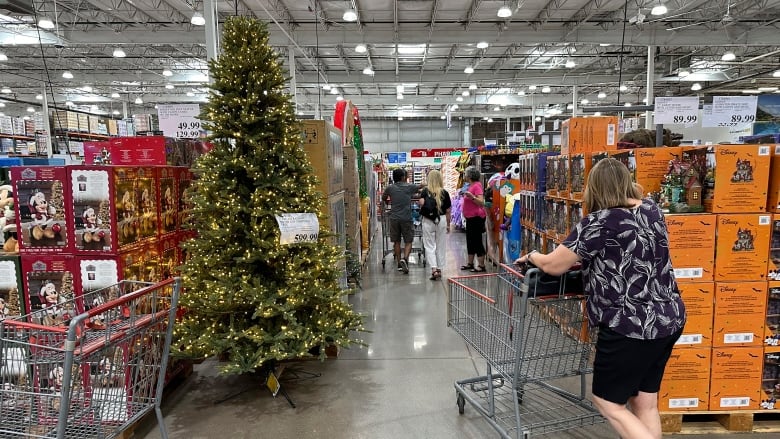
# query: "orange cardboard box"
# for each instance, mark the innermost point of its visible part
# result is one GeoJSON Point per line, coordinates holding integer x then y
{"type": "Point", "coordinates": [699, 299]}
{"type": "Point", "coordinates": [648, 166]}
{"type": "Point", "coordinates": [770, 379]}
{"type": "Point", "coordinates": [772, 323]}
{"type": "Point", "coordinates": [593, 133]}
{"type": "Point", "coordinates": [736, 378]}
{"type": "Point", "coordinates": [773, 195]}
{"type": "Point", "coordinates": [686, 383]}
{"type": "Point", "coordinates": [691, 246]}
{"type": "Point", "coordinates": [740, 311]}
{"type": "Point", "coordinates": [742, 246]}
{"type": "Point", "coordinates": [737, 177]}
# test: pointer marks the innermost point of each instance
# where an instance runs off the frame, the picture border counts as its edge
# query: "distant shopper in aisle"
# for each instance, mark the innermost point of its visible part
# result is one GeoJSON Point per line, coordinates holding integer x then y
{"type": "Point", "coordinates": [435, 206]}
{"type": "Point", "coordinates": [633, 297]}
{"type": "Point", "coordinates": [474, 212]}
{"type": "Point", "coordinates": [399, 196]}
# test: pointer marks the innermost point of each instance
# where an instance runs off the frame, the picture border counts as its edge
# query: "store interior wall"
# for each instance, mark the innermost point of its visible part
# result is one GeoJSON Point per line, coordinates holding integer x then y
{"type": "Point", "coordinates": [390, 135]}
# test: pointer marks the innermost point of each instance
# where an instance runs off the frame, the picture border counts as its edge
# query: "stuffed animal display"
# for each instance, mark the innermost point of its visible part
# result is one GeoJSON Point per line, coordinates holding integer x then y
{"type": "Point", "coordinates": [8, 220]}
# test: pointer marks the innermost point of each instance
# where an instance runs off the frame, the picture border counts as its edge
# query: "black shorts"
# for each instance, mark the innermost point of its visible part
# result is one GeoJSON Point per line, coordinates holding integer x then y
{"type": "Point", "coordinates": [625, 366]}
{"type": "Point", "coordinates": [401, 229]}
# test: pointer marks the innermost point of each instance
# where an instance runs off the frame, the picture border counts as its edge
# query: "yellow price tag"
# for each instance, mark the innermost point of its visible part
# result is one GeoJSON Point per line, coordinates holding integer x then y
{"type": "Point", "coordinates": [272, 383]}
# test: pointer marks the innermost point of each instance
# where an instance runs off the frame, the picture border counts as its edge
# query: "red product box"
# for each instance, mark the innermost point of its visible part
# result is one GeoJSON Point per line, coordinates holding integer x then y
{"type": "Point", "coordinates": [95, 152]}
{"type": "Point", "coordinates": [184, 179]}
{"type": "Point", "coordinates": [42, 209]}
{"type": "Point", "coordinates": [170, 256]}
{"type": "Point", "coordinates": [167, 204]}
{"type": "Point", "coordinates": [50, 292]}
{"type": "Point", "coordinates": [100, 271]}
{"type": "Point", "coordinates": [138, 151]}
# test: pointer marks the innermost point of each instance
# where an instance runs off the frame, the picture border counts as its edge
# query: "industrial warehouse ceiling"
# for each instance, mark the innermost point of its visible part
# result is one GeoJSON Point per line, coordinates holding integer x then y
{"type": "Point", "coordinates": [417, 52]}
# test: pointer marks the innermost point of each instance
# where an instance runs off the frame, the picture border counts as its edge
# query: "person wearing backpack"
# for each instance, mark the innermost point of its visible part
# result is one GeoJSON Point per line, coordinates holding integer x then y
{"type": "Point", "coordinates": [435, 207]}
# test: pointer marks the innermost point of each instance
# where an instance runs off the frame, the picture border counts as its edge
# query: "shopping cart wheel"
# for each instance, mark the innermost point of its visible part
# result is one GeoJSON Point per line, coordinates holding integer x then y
{"type": "Point", "coordinates": [461, 404]}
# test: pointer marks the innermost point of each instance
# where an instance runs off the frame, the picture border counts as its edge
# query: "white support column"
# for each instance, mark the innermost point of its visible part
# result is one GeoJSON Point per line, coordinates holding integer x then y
{"type": "Point", "coordinates": [124, 110]}
{"type": "Point", "coordinates": [46, 124]}
{"type": "Point", "coordinates": [293, 82]}
{"type": "Point", "coordinates": [467, 132]}
{"type": "Point", "coordinates": [210, 14]}
{"type": "Point", "coordinates": [574, 99]}
{"type": "Point", "coordinates": [649, 123]}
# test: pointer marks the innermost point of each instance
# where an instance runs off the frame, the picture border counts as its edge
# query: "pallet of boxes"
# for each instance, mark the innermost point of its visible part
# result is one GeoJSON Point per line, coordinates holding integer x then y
{"type": "Point", "coordinates": [724, 368]}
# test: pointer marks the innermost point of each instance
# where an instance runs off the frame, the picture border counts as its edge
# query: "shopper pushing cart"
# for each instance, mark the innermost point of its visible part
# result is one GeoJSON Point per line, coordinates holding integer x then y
{"type": "Point", "coordinates": [398, 220]}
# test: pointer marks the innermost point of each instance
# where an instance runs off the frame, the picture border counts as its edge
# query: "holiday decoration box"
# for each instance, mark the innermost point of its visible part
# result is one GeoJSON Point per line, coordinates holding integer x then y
{"type": "Point", "coordinates": [586, 134]}
{"type": "Point", "coordinates": [686, 381]}
{"type": "Point", "coordinates": [113, 207]}
{"type": "Point", "coordinates": [736, 177]}
{"type": "Point", "coordinates": [12, 303]}
{"type": "Point", "coordinates": [50, 290]}
{"type": "Point", "coordinates": [740, 314]}
{"type": "Point", "coordinates": [43, 209]}
{"type": "Point", "coordinates": [742, 246]}
{"type": "Point", "coordinates": [735, 382]}
{"type": "Point", "coordinates": [323, 147]}
{"type": "Point", "coordinates": [770, 379]}
{"type": "Point", "coordinates": [691, 246]}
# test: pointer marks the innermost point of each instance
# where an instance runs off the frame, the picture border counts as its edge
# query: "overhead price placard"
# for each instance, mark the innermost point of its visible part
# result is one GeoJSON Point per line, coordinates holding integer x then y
{"type": "Point", "coordinates": [180, 120]}
{"type": "Point", "coordinates": [298, 228]}
{"type": "Point", "coordinates": [731, 111]}
{"type": "Point", "coordinates": [676, 111]}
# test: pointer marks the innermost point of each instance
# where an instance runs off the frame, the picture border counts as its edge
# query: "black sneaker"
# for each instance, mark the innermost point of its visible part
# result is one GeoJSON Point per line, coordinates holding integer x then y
{"type": "Point", "coordinates": [404, 266]}
{"type": "Point", "coordinates": [399, 267]}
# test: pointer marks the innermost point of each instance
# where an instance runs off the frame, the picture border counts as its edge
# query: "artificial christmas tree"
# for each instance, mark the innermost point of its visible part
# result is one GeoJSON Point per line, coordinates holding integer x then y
{"type": "Point", "coordinates": [249, 299]}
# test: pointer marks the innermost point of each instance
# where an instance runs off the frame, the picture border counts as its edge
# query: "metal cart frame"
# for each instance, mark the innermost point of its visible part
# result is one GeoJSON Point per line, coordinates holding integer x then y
{"type": "Point", "coordinates": [94, 377]}
{"type": "Point", "coordinates": [530, 344]}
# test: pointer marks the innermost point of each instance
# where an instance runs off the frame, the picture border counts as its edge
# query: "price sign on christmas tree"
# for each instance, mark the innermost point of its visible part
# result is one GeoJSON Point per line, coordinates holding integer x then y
{"type": "Point", "coordinates": [180, 121]}
{"type": "Point", "coordinates": [298, 228]}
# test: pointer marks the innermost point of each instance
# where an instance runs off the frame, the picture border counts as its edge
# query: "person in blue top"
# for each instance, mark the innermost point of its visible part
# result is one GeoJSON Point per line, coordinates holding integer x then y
{"type": "Point", "coordinates": [399, 197]}
{"type": "Point", "coordinates": [632, 296]}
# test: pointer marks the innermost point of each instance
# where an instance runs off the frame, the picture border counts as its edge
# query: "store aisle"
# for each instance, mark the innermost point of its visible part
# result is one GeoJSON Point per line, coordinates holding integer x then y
{"type": "Point", "coordinates": [400, 386]}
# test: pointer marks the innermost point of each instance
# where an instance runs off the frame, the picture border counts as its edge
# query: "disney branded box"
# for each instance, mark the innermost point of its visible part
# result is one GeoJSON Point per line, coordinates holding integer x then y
{"type": "Point", "coordinates": [686, 382]}
{"type": "Point", "coordinates": [50, 292]}
{"type": "Point", "coordinates": [42, 209]}
{"type": "Point", "coordinates": [699, 298]}
{"type": "Point", "coordinates": [742, 246]}
{"type": "Point", "coordinates": [740, 312]}
{"type": "Point", "coordinates": [691, 246]}
{"type": "Point", "coordinates": [735, 382]}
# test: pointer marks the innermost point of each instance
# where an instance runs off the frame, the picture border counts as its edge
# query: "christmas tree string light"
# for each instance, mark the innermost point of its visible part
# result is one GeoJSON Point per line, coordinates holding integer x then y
{"type": "Point", "coordinates": [250, 300]}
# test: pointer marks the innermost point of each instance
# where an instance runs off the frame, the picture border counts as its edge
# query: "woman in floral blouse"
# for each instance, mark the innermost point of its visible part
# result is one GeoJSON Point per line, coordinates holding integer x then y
{"type": "Point", "coordinates": [633, 297]}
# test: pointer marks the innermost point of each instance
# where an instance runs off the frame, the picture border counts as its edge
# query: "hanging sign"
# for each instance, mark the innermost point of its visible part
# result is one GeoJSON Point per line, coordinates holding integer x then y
{"type": "Point", "coordinates": [396, 158]}
{"type": "Point", "coordinates": [730, 111]}
{"type": "Point", "coordinates": [676, 111]}
{"type": "Point", "coordinates": [432, 152]}
{"type": "Point", "coordinates": [180, 120]}
{"type": "Point", "coordinates": [298, 228]}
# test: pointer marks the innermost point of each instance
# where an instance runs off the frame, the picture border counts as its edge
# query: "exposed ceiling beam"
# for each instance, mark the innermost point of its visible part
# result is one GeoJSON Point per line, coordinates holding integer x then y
{"type": "Point", "coordinates": [471, 13]}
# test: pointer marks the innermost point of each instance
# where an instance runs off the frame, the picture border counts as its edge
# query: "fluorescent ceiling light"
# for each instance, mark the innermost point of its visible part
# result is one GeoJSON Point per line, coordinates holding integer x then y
{"type": "Point", "coordinates": [5, 90]}
{"type": "Point", "coordinates": [115, 112]}
{"type": "Point", "coordinates": [751, 91]}
{"type": "Point", "coordinates": [538, 118]}
{"type": "Point", "coordinates": [496, 108]}
{"type": "Point", "coordinates": [659, 9]}
{"type": "Point", "coordinates": [627, 104]}
{"type": "Point", "coordinates": [368, 71]}
{"type": "Point", "coordinates": [114, 95]}
{"type": "Point", "coordinates": [604, 44]}
{"type": "Point", "coordinates": [468, 70]}
{"type": "Point", "coordinates": [473, 87]}
{"type": "Point", "coordinates": [69, 103]}
{"type": "Point", "coordinates": [119, 53]}
{"type": "Point", "coordinates": [197, 19]}
{"type": "Point", "coordinates": [334, 90]}
{"type": "Point", "coordinates": [190, 94]}
{"type": "Point", "coordinates": [696, 86]}
{"type": "Point", "coordinates": [728, 56]}
{"type": "Point", "coordinates": [584, 102]}
{"type": "Point", "coordinates": [399, 88]}
{"type": "Point", "coordinates": [30, 110]}
{"type": "Point", "coordinates": [400, 118]}
{"type": "Point", "coordinates": [442, 117]}
{"type": "Point", "coordinates": [399, 96]}
{"type": "Point", "coordinates": [504, 12]}
{"type": "Point", "coordinates": [490, 120]}
{"type": "Point", "coordinates": [67, 74]}
{"type": "Point", "coordinates": [167, 72]}
{"type": "Point", "coordinates": [776, 74]}
{"type": "Point", "coordinates": [485, 118]}
{"type": "Point", "coordinates": [349, 15]}
{"type": "Point", "coordinates": [169, 86]}
{"type": "Point", "coordinates": [454, 107]}
{"type": "Point", "coordinates": [521, 93]}
{"type": "Point", "coordinates": [411, 49]}
{"type": "Point", "coordinates": [139, 101]}
{"type": "Point", "coordinates": [570, 107]}
{"type": "Point", "coordinates": [570, 64]}
{"type": "Point", "coordinates": [623, 88]}
{"type": "Point", "coordinates": [483, 45]}
{"type": "Point", "coordinates": [361, 48]}
{"type": "Point", "coordinates": [465, 93]}
{"type": "Point", "coordinates": [763, 89]}
{"type": "Point", "coordinates": [532, 87]}
{"type": "Point", "coordinates": [683, 73]}
{"type": "Point", "coordinates": [3, 57]}
{"type": "Point", "coordinates": [87, 88]}
{"type": "Point", "coordinates": [339, 98]}
{"type": "Point", "coordinates": [326, 86]}
{"type": "Point", "coordinates": [546, 89]}
{"type": "Point", "coordinates": [40, 97]}
{"type": "Point", "coordinates": [459, 99]}
{"type": "Point", "coordinates": [598, 113]}
{"type": "Point", "coordinates": [45, 23]}
{"type": "Point", "coordinates": [601, 95]}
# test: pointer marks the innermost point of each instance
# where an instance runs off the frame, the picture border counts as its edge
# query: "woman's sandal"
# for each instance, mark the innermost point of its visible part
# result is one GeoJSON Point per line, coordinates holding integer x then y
{"type": "Point", "coordinates": [478, 270]}
{"type": "Point", "coordinates": [436, 275]}
{"type": "Point", "coordinates": [467, 267]}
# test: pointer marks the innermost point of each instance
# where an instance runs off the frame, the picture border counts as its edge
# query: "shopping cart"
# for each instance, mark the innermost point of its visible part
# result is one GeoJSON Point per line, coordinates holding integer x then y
{"type": "Point", "coordinates": [94, 377]}
{"type": "Point", "coordinates": [533, 346]}
{"type": "Point", "coordinates": [387, 245]}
